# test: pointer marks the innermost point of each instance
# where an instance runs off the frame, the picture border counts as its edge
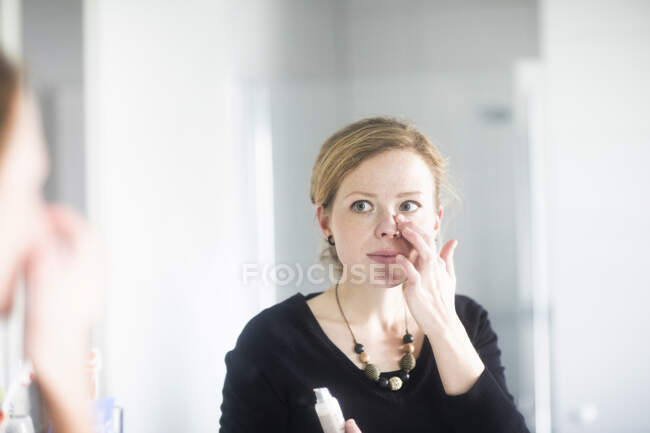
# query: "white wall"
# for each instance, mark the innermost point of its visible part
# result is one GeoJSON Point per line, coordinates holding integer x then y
{"type": "Point", "coordinates": [597, 56]}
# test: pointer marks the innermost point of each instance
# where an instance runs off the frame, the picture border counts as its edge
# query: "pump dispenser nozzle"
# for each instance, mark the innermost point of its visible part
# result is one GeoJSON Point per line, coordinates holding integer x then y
{"type": "Point", "coordinates": [329, 412]}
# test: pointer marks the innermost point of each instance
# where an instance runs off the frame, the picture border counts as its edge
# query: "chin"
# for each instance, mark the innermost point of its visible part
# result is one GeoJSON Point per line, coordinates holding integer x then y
{"type": "Point", "coordinates": [386, 283]}
{"type": "Point", "coordinates": [389, 276]}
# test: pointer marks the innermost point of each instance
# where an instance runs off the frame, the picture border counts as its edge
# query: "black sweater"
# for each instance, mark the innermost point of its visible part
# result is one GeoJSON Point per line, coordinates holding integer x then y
{"type": "Point", "coordinates": [282, 354]}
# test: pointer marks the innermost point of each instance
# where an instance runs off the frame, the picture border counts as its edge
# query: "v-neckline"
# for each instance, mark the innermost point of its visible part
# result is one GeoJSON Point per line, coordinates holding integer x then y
{"type": "Point", "coordinates": [315, 326]}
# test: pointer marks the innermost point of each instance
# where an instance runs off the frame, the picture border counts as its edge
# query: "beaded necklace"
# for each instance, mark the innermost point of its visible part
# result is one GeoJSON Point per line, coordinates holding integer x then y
{"type": "Point", "coordinates": [407, 363]}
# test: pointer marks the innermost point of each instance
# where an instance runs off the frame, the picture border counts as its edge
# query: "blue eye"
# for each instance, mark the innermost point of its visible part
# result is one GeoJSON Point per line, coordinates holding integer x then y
{"type": "Point", "coordinates": [411, 201]}
{"type": "Point", "coordinates": [356, 208]}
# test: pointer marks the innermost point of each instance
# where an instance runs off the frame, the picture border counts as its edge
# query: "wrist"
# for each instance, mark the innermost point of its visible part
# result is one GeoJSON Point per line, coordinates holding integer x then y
{"type": "Point", "coordinates": [452, 339]}
{"type": "Point", "coordinates": [459, 364]}
{"type": "Point", "coordinates": [447, 329]}
{"type": "Point", "coordinates": [69, 413]}
{"type": "Point", "coordinates": [66, 378]}
{"type": "Point", "coordinates": [64, 390]}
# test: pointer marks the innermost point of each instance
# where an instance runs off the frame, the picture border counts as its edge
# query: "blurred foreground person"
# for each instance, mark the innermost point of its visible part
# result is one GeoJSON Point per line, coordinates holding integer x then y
{"type": "Point", "coordinates": [51, 249]}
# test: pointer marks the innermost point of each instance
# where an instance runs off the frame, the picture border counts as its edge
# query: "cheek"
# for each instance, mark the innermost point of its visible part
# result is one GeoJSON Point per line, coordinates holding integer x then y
{"type": "Point", "coordinates": [348, 243]}
{"type": "Point", "coordinates": [346, 249]}
{"type": "Point", "coordinates": [426, 223]}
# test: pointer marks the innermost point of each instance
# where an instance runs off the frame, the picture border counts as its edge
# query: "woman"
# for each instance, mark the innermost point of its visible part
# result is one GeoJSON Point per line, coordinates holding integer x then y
{"type": "Point", "coordinates": [52, 250]}
{"type": "Point", "coordinates": [390, 339]}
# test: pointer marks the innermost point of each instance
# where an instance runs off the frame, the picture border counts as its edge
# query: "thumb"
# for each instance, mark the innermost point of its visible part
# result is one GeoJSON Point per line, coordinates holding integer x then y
{"type": "Point", "coordinates": [351, 426]}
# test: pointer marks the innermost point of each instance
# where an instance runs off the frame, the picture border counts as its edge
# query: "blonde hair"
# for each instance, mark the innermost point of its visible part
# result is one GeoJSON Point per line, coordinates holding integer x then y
{"type": "Point", "coordinates": [348, 147]}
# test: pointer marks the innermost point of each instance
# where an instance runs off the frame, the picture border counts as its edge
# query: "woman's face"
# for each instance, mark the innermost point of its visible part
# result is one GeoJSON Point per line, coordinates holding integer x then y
{"type": "Point", "coordinates": [24, 167]}
{"type": "Point", "coordinates": [363, 212]}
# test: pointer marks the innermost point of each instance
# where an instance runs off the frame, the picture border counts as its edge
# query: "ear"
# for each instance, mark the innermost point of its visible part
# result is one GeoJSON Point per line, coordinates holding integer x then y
{"type": "Point", "coordinates": [323, 220]}
{"type": "Point", "coordinates": [439, 219]}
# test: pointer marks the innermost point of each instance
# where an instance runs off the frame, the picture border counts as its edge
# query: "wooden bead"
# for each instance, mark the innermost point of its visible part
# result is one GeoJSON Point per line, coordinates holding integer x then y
{"type": "Point", "coordinates": [364, 357]}
{"type": "Point", "coordinates": [395, 383]}
{"type": "Point", "coordinates": [410, 348]}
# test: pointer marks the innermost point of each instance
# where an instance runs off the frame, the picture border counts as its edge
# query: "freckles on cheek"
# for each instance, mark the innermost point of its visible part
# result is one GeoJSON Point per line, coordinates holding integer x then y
{"type": "Point", "coordinates": [426, 223]}
{"type": "Point", "coordinates": [350, 247]}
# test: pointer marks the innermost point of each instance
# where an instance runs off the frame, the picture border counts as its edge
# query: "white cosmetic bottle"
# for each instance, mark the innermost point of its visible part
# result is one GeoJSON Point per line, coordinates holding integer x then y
{"type": "Point", "coordinates": [329, 412]}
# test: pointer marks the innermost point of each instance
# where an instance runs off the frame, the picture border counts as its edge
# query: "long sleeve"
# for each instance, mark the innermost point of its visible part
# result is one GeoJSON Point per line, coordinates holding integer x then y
{"type": "Point", "coordinates": [250, 403]}
{"type": "Point", "coordinates": [487, 406]}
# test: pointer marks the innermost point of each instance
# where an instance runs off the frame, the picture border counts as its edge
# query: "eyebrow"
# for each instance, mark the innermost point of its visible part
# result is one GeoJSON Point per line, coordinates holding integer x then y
{"type": "Point", "coordinates": [401, 194]}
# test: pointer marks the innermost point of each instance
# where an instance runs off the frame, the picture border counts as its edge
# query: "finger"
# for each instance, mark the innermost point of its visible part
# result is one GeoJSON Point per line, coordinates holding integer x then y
{"type": "Point", "coordinates": [68, 225]}
{"type": "Point", "coordinates": [442, 265]}
{"type": "Point", "coordinates": [413, 255]}
{"type": "Point", "coordinates": [447, 255]}
{"type": "Point", "coordinates": [412, 275]}
{"type": "Point", "coordinates": [402, 222]}
{"type": "Point", "coordinates": [418, 242]}
{"type": "Point", "coordinates": [351, 426]}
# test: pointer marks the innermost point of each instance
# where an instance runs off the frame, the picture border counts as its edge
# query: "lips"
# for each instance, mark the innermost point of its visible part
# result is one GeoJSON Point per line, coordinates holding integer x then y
{"type": "Point", "coordinates": [384, 256]}
{"type": "Point", "coordinates": [383, 259]}
{"type": "Point", "coordinates": [384, 253]}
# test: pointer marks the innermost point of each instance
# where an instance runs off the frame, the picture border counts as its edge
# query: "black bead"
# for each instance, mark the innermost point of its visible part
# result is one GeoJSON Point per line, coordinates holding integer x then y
{"type": "Point", "coordinates": [359, 348]}
{"type": "Point", "coordinates": [404, 376]}
{"type": "Point", "coordinates": [408, 338]}
{"type": "Point", "coordinates": [383, 382]}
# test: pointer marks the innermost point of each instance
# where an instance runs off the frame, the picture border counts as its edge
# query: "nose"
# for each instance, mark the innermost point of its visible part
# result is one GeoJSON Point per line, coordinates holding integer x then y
{"type": "Point", "coordinates": [388, 227]}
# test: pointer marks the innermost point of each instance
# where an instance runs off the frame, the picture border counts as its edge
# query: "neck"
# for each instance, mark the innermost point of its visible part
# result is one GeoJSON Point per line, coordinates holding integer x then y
{"type": "Point", "coordinates": [375, 308]}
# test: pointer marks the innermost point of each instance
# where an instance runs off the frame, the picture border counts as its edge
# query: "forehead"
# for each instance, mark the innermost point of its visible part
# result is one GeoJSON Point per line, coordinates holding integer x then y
{"type": "Point", "coordinates": [390, 173]}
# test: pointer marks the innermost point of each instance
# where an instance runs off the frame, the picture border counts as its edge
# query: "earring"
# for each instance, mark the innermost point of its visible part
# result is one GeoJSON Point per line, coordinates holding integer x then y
{"type": "Point", "coordinates": [330, 241]}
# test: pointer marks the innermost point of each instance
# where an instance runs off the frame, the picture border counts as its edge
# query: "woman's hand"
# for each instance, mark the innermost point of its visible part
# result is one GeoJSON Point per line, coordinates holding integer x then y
{"type": "Point", "coordinates": [64, 277]}
{"type": "Point", "coordinates": [430, 287]}
{"type": "Point", "coordinates": [351, 426]}
{"type": "Point", "coordinates": [430, 293]}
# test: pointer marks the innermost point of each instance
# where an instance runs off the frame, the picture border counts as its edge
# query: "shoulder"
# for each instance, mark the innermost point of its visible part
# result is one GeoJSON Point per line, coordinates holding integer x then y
{"type": "Point", "coordinates": [471, 313]}
{"type": "Point", "coordinates": [467, 305]}
{"type": "Point", "coordinates": [270, 327]}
